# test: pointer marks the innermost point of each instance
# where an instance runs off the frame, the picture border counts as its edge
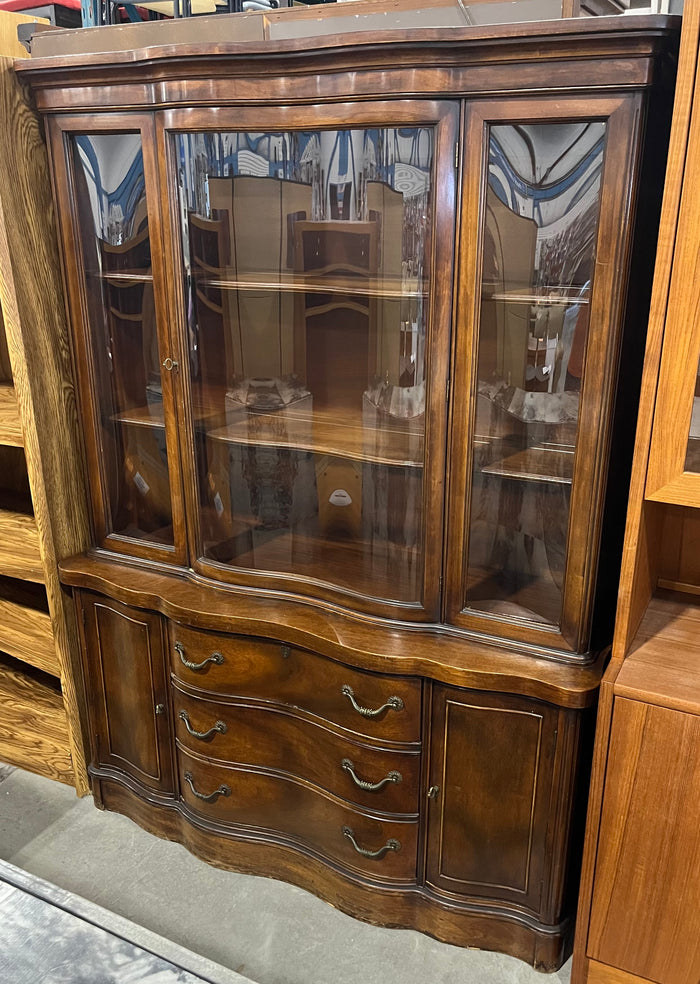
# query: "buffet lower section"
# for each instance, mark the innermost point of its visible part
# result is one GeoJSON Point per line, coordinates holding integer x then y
{"type": "Point", "coordinates": [401, 799]}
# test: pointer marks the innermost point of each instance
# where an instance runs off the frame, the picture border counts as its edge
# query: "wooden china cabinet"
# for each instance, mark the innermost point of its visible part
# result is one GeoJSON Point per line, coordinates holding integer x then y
{"type": "Point", "coordinates": [358, 319]}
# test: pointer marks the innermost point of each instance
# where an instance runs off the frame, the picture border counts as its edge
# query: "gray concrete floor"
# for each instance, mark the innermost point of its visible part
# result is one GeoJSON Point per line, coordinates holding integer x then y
{"type": "Point", "coordinates": [269, 932]}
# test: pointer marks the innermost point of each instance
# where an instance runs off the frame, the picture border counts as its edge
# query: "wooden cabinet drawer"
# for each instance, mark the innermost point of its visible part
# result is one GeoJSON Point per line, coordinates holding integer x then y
{"type": "Point", "coordinates": [288, 807]}
{"type": "Point", "coordinates": [243, 666]}
{"type": "Point", "coordinates": [277, 738]}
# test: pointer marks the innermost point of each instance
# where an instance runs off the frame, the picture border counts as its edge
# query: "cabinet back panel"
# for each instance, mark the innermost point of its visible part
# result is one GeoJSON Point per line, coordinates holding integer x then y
{"type": "Point", "coordinates": [679, 560]}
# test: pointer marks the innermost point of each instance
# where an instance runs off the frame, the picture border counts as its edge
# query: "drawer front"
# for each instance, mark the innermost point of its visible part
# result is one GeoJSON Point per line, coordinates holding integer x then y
{"type": "Point", "coordinates": [383, 849]}
{"type": "Point", "coordinates": [369, 704]}
{"type": "Point", "coordinates": [276, 738]}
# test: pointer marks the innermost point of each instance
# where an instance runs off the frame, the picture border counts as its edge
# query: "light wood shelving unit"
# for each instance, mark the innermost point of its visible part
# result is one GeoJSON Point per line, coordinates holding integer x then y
{"type": "Point", "coordinates": [639, 909]}
{"type": "Point", "coordinates": [42, 494]}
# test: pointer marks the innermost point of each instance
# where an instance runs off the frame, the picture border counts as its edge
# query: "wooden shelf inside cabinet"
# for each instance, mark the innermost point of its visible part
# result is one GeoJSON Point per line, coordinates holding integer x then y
{"type": "Point", "coordinates": [662, 666]}
{"type": "Point", "coordinates": [329, 560]}
{"type": "Point", "coordinates": [326, 433]}
{"type": "Point", "coordinates": [564, 297]}
{"type": "Point", "coordinates": [540, 463]}
{"type": "Point", "coordinates": [323, 280]}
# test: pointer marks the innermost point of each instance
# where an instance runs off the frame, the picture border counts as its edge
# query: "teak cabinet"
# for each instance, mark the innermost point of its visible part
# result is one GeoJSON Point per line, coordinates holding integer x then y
{"type": "Point", "coordinates": [357, 362]}
{"type": "Point", "coordinates": [640, 897]}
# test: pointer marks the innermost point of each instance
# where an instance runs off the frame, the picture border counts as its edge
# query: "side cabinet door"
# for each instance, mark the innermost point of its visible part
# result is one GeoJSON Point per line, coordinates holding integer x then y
{"type": "Point", "coordinates": [492, 760]}
{"type": "Point", "coordinates": [125, 667]}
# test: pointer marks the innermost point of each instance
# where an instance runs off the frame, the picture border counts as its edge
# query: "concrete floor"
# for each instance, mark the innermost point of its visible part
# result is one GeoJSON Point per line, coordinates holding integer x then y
{"type": "Point", "coordinates": [269, 932]}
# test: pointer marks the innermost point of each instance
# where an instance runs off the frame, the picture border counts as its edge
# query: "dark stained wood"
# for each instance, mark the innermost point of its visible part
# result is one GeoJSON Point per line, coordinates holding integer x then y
{"type": "Point", "coordinates": [125, 667]}
{"type": "Point", "coordinates": [422, 55]}
{"type": "Point", "coordinates": [488, 822]}
{"type": "Point", "coordinates": [590, 468]}
{"type": "Point", "coordinates": [494, 710]}
{"type": "Point", "coordinates": [91, 361]}
{"type": "Point", "coordinates": [540, 945]}
{"type": "Point", "coordinates": [338, 564]}
{"type": "Point", "coordinates": [285, 675]}
{"type": "Point", "coordinates": [296, 812]}
{"type": "Point", "coordinates": [435, 651]}
{"type": "Point", "coordinates": [280, 739]}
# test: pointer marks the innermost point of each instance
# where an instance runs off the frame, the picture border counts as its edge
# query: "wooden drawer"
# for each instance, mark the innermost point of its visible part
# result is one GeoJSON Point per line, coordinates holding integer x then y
{"type": "Point", "coordinates": [274, 672]}
{"type": "Point", "coordinates": [289, 807]}
{"type": "Point", "coordinates": [279, 739]}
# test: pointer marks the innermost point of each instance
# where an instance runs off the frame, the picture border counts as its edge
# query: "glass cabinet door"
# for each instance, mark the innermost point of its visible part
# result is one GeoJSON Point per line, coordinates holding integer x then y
{"type": "Point", "coordinates": [537, 329]}
{"type": "Point", "coordinates": [122, 349]}
{"type": "Point", "coordinates": [308, 259]}
{"type": "Point", "coordinates": [673, 472]}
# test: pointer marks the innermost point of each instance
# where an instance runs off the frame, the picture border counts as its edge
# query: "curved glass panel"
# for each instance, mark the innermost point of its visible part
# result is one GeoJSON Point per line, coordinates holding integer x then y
{"type": "Point", "coordinates": [692, 458]}
{"type": "Point", "coordinates": [305, 256]}
{"type": "Point", "coordinates": [116, 252]}
{"type": "Point", "coordinates": [540, 225]}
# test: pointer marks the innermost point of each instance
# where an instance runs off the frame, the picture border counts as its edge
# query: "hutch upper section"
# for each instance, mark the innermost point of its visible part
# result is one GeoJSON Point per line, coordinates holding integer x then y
{"type": "Point", "coordinates": [350, 308]}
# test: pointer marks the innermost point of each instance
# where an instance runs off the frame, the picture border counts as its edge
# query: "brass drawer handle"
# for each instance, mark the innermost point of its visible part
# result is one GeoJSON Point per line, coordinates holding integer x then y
{"type": "Point", "coordinates": [223, 790]}
{"type": "Point", "coordinates": [370, 787]}
{"type": "Point", "coordinates": [392, 704]}
{"type": "Point", "coordinates": [391, 845]}
{"type": "Point", "coordinates": [218, 728]}
{"type": "Point", "coordinates": [214, 658]}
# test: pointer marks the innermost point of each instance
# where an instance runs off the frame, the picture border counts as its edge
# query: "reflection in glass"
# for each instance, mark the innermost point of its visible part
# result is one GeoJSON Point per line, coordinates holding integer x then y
{"type": "Point", "coordinates": [116, 250]}
{"type": "Point", "coordinates": [541, 218]}
{"type": "Point", "coordinates": [692, 458]}
{"type": "Point", "coordinates": [305, 253]}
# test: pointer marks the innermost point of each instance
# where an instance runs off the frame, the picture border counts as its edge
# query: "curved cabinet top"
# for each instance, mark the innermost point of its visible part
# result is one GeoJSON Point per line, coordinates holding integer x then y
{"type": "Point", "coordinates": [192, 62]}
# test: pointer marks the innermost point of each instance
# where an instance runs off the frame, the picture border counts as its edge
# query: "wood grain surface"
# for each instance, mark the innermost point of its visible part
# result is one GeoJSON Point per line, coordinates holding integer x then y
{"type": "Point", "coordinates": [10, 422]}
{"type": "Point", "coordinates": [33, 726]}
{"type": "Point", "coordinates": [26, 633]}
{"type": "Point", "coordinates": [646, 900]}
{"type": "Point", "coordinates": [37, 338]}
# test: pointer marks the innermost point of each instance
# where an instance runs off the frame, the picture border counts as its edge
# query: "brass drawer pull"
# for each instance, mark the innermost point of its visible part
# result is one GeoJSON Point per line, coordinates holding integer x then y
{"type": "Point", "coordinates": [392, 704]}
{"type": "Point", "coordinates": [214, 658]}
{"type": "Point", "coordinates": [218, 728]}
{"type": "Point", "coordinates": [223, 790]}
{"type": "Point", "coordinates": [391, 845]}
{"type": "Point", "coordinates": [370, 787]}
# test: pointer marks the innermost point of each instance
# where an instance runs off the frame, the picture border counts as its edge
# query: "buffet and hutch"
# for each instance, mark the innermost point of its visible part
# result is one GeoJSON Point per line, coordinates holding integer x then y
{"type": "Point", "coordinates": [357, 323]}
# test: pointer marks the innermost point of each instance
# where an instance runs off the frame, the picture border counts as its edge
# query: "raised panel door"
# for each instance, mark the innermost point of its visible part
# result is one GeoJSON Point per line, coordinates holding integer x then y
{"type": "Point", "coordinates": [491, 766]}
{"type": "Point", "coordinates": [125, 664]}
